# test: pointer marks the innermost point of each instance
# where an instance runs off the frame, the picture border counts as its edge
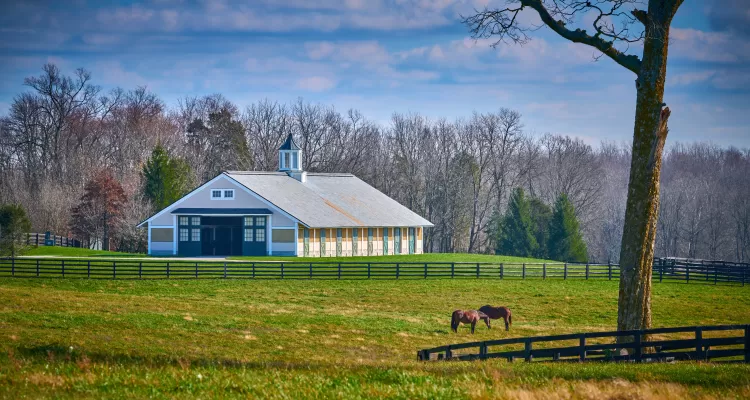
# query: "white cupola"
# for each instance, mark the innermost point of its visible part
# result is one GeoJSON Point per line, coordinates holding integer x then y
{"type": "Point", "coordinates": [290, 159]}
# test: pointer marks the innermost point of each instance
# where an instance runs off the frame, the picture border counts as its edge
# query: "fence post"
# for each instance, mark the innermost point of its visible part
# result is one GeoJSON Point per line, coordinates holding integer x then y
{"type": "Point", "coordinates": [747, 343]}
{"type": "Point", "coordinates": [453, 270]}
{"type": "Point", "coordinates": [339, 270]}
{"type": "Point", "coordinates": [167, 269]}
{"type": "Point", "coordinates": [687, 273]}
{"type": "Point", "coordinates": [13, 266]}
{"type": "Point", "coordinates": [140, 270]}
{"type": "Point", "coordinates": [523, 271]}
{"type": "Point", "coordinates": [62, 264]}
{"type": "Point", "coordinates": [716, 273]}
{"type": "Point", "coordinates": [544, 271]}
{"type": "Point", "coordinates": [369, 270]}
{"type": "Point", "coordinates": [252, 266]}
{"type": "Point", "coordinates": [609, 266]}
{"type": "Point", "coordinates": [502, 272]}
{"type": "Point", "coordinates": [196, 270]}
{"type": "Point", "coordinates": [88, 269]}
{"type": "Point", "coordinates": [699, 344]}
{"type": "Point", "coordinates": [398, 270]}
{"type": "Point", "coordinates": [587, 270]}
{"type": "Point", "coordinates": [527, 350]}
{"type": "Point", "coordinates": [482, 351]}
{"type": "Point", "coordinates": [637, 346]}
{"type": "Point", "coordinates": [225, 270]}
{"type": "Point", "coordinates": [37, 267]}
{"type": "Point", "coordinates": [582, 348]}
{"type": "Point", "coordinates": [565, 271]}
{"type": "Point", "coordinates": [282, 272]}
{"type": "Point", "coordinates": [114, 270]}
{"type": "Point", "coordinates": [477, 270]}
{"type": "Point", "coordinates": [425, 270]}
{"type": "Point", "coordinates": [661, 270]}
{"type": "Point", "coordinates": [448, 353]}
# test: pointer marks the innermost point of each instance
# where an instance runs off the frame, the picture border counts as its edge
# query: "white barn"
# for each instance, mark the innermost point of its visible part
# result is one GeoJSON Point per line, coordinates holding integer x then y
{"type": "Point", "coordinates": [288, 213]}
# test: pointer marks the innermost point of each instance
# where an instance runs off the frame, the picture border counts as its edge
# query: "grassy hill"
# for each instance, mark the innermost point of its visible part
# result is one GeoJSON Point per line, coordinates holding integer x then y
{"type": "Point", "coordinates": [331, 339]}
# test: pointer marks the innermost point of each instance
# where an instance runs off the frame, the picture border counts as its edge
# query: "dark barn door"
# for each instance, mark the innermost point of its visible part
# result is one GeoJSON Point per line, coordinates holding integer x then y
{"type": "Point", "coordinates": [254, 243]}
{"type": "Point", "coordinates": [221, 236]}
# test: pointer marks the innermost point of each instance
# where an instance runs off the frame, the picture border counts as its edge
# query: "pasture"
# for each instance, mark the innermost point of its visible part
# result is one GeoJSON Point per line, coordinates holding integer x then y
{"type": "Point", "coordinates": [332, 339]}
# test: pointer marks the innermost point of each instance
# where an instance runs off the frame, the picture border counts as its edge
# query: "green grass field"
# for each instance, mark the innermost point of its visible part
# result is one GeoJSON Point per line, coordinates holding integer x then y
{"type": "Point", "coordinates": [75, 252]}
{"type": "Point", "coordinates": [332, 339]}
{"type": "Point", "coordinates": [49, 251]}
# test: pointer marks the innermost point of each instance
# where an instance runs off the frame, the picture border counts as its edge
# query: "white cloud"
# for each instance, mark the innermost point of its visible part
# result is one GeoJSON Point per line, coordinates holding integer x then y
{"type": "Point", "coordinates": [101, 39]}
{"type": "Point", "coordinates": [694, 44]}
{"type": "Point", "coordinates": [316, 83]}
{"type": "Point", "coordinates": [690, 78]}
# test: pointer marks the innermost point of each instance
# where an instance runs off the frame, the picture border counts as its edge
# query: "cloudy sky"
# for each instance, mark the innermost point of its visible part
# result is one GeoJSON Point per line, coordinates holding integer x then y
{"type": "Point", "coordinates": [381, 56]}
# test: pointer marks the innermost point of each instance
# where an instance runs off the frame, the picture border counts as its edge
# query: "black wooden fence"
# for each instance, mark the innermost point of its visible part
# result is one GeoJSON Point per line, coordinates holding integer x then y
{"type": "Point", "coordinates": [664, 270]}
{"type": "Point", "coordinates": [715, 343]}
{"type": "Point", "coordinates": [38, 239]}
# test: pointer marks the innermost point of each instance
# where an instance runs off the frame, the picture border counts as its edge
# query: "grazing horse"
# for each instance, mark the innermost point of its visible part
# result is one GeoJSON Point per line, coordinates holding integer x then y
{"type": "Point", "coordinates": [468, 317]}
{"type": "Point", "coordinates": [498, 312]}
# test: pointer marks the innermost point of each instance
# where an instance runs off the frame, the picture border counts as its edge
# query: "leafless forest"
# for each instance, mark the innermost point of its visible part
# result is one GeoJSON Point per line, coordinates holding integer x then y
{"type": "Point", "coordinates": [458, 173]}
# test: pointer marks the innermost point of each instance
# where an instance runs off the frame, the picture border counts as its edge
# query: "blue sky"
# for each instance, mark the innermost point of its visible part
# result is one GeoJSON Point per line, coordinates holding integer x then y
{"type": "Point", "coordinates": [381, 56]}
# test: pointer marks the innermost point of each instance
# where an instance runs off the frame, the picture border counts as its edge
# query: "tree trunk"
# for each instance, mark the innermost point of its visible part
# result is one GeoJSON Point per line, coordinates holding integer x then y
{"type": "Point", "coordinates": [637, 247]}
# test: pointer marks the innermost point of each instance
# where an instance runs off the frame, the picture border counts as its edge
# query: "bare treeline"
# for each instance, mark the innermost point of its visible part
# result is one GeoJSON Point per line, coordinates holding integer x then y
{"type": "Point", "coordinates": [456, 173]}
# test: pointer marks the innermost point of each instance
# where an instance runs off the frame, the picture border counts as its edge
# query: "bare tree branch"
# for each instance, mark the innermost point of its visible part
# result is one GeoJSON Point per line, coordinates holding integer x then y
{"type": "Point", "coordinates": [504, 25]}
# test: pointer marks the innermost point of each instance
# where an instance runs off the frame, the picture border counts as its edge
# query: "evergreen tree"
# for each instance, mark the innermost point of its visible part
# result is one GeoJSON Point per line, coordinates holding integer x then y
{"type": "Point", "coordinates": [541, 215]}
{"type": "Point", "coordinates": [14, 225]}
{"type": "Point", "coordinates": [565, 239]}
{"type": "Point", "coordinates": [165, 179]}
{"type": "Point", "coordinates": [517, 236]}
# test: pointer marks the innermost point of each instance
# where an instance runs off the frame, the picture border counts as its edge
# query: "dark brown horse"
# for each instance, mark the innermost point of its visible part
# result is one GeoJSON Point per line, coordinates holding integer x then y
{"type": "Point", "coordinates": [498, 312]}
{"type": "Point", "coordinates": [468, 317]}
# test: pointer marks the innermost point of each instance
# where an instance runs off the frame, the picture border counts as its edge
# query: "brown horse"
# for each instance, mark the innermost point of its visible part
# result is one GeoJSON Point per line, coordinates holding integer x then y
{"type": "Point", "coordinates": [468, 317]}
{"type": "Point", "coordinates": [498, 312]}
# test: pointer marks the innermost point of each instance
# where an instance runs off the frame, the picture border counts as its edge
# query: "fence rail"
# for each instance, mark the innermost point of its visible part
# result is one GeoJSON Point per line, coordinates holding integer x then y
{"type": "Point", "coordinates": [664, 270]}
{"type": "Point", "coordinates": [720, 342]}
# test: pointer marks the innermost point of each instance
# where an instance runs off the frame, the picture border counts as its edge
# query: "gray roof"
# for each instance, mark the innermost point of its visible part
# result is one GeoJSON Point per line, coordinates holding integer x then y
{"type": "Point", "coordinates": [329, 200]}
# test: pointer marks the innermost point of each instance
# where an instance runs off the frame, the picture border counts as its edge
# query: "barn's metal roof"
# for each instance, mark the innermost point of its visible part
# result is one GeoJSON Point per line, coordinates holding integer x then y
{"type": "Point", "coordinates": [328, 200]}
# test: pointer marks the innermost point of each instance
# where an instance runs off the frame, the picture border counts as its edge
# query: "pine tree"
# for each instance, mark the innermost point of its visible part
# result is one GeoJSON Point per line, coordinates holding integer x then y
{"type": "Point", "coordinates": [165, 179]}
{"type": "Point", "coordinates": [565, 239]}
{"type": "Point", "coordinates": [541, 215]}
{"type": "Point", "coordinates": [14, 225]}
{"type": "Point", "coordinates": [516, 235]}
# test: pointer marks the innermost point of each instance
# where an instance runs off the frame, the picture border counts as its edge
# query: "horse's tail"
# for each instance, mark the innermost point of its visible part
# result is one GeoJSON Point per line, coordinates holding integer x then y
{"type": "Point", "coordinates": [454, 322]}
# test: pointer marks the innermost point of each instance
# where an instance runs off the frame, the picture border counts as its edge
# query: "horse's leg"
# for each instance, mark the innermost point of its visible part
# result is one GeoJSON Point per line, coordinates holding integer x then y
{"type": "Point", "coordinates": [473, 324]}
{"type": "Point", "coordinates": [487, 321]}
{"type": "Point", "coordinates": [507, 326]}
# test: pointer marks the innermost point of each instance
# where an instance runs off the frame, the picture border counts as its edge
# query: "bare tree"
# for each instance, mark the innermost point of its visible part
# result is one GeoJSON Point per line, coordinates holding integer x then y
{"type": "Point", "coordinates": [616, 22]}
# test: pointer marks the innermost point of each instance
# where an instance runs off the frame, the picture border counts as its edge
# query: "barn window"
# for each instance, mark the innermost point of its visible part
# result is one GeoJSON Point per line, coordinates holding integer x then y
{"type": "Point", "coordinates": [260, 235]}
{"type": "Point", "coordinates": [248, 234]}
{"type": "Point", "coordinates": [196, 235]}
{"type": "Point", "coordinates": [184, 234]}
{"type": "Point", "coordinates": [216, 194]}
{"type": "Point", "coordinates": [260, 221]}
{"type": "Point", "coordinates": [228, 193]}
{"type": "Point", "coordinates": [183, 220]}
{"type": "Point", "coordinates": [195, 221]}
